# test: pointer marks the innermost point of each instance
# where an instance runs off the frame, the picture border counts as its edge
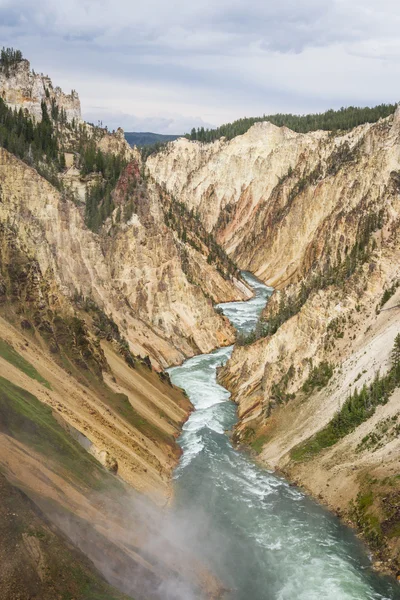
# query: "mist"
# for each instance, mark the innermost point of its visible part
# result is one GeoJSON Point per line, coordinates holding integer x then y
{"type": "Point", "coordinates": [143, 549]}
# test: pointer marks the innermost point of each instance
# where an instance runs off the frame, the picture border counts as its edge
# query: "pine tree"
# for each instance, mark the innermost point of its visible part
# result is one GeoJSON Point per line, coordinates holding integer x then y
{"type": "Point", "coordinates": [62, 161]}
{"type": "Point", "coordinates": [396, 353]}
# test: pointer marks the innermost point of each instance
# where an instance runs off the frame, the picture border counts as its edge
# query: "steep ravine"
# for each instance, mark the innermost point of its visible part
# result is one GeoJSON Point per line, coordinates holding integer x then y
{"type": "Point", "coordinates": [108, 275]}
{"type": "Point", "coordinates": [316, 216]}
{"type": "Point", "coordinates": [264, 538]}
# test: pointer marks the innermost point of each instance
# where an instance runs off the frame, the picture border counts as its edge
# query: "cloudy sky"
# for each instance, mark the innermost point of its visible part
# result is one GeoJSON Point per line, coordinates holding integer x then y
{"type": "Point", "coordinates": [168, 65]}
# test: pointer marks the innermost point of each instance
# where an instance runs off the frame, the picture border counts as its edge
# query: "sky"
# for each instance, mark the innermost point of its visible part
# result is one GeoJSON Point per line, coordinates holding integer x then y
{"type": "Point", "coordinates": [170, 65]}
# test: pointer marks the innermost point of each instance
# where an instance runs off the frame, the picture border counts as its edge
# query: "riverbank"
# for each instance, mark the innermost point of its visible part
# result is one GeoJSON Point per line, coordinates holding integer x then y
{"type": "Point", "coordinates": [382, 556]}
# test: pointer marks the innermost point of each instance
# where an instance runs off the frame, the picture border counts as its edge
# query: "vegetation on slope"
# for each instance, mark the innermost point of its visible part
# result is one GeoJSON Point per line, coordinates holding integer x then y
{"type": "Point", "coordinates": [357, 408]}
{"type": "Point", "coordinates": [9, 58]}
{"type": "Point", "coordinates": [387, 294]}
{"type": "Point", "coordinates": [189, 228]}
{"type": "Point", "coordinates": [331, 120]}
{"type": "Point", "coordinates": [99, 202]}
{"type": "Point", "coordinates": [25, 418]}
{"type": "Point", "coordinates": [146, 151]}
{"type": "Point", "coordinates": [318, 378]}
{"type": "Point", "coordinates": [35, 143]}
{"type": "Point", "coordinates": [333, 273]}
{"type": "Point", "coordinates": [43, 144]}
{"type": "Point", "coordinates": [106, 329]}
{"type": "Point", "coordinates": [375, 512]}
{"type": "Point", "coordinates": [26, 295]}
{"type": "Point", "coordinates": [12, 356]}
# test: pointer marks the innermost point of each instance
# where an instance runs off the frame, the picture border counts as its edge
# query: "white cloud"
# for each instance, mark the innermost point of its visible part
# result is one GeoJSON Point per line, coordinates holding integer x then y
{"type": "Point", "coordinates": [173, 64]}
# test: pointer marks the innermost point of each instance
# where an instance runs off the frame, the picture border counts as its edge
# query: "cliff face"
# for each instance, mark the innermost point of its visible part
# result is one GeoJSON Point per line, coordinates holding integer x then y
{"type": "Point", "coordinates": [134, 270]}
{"type": "Point", "coordinates": [343, 224]}
{"type": "Point", "coordinates": [22, 88]}
{"type": "Point", "coordinates": [226, 181]}
{"type": "Point", "coordinates": [336, 242]}
{"type": "Point", "coordinates": [271, 195]}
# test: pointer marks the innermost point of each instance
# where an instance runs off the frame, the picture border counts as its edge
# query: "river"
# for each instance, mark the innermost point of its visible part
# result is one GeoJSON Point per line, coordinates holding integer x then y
{"type": "Point", "coordinates": [265, 539]}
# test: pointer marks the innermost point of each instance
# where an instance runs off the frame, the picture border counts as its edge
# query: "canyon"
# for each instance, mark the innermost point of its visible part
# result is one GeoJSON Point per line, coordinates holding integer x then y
{"type": "Point", "coordinates": [105, 282]}
{"type": "Point", "coordinates": [316, 216]}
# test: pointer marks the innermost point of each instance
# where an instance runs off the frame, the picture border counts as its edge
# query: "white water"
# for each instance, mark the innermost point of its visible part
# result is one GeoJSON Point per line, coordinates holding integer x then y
{"type": "Point", "coordinates": [264, 538]}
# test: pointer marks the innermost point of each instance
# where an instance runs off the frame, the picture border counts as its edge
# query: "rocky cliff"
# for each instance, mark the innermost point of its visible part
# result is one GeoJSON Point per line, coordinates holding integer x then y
{"type": "Point", "coordinates": [20, 87]}
{"type": "Point", "coordinates": [133, 270]}
{"type": "Point", "coordinates": [226, 181]}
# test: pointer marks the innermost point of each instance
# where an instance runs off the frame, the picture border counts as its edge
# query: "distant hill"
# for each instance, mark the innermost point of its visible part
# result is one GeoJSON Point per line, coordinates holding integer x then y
{"type": "Point", "coordinates": [147, 138]}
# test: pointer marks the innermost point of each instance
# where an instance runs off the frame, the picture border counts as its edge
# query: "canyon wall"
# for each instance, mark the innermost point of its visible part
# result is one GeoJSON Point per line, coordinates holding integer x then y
{"type": "Point", "coordinates": [226, 181]}
{"type": "Point", "coordinates": [135, 274]}
{"type": "Point", "coordinates": [90, 315]}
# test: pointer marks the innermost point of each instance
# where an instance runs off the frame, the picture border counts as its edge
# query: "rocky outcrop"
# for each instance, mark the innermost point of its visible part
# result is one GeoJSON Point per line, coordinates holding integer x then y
{"type": "Point", "coordinates": [115, 143]}
{"type": "Point", "coordinates": [22, 88]}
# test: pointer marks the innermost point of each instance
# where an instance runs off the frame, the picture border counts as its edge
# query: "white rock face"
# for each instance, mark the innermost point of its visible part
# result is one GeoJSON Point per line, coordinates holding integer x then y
{"type": "Point", "coordinates": [268, 195]}
{"type": "Point", "coordinates": [22, 88]}
{"type": "Point", "coordinates": [235, 175]}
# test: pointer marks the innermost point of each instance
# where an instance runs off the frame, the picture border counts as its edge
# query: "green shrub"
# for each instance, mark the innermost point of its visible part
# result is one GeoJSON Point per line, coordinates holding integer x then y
{"type": "Point", "coordinates": [12, 356]}
{"type": "Point", "coordinates": [318, 377]}
{"type": "Point", "coordinates": [387, 294]}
